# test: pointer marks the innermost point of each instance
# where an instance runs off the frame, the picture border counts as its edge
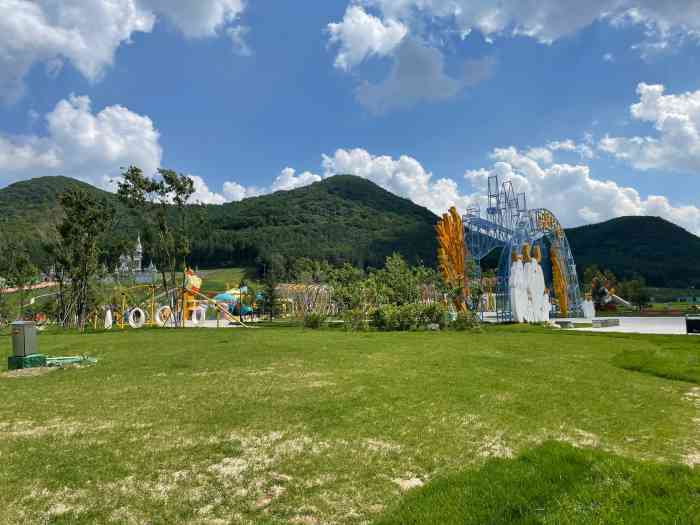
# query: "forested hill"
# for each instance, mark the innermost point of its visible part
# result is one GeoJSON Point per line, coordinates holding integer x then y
{"type": "Point", "coordinates": [347, 218]}
{"type": "Point", "coordinates": [343, 218]}
{"type": "Point", "coordinates": [663, 253]}
{"type": "Point", "coordinates": [30, 208]}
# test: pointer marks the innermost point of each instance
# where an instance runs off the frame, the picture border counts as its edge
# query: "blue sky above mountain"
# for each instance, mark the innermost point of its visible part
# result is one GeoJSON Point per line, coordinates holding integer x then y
{"type": "Point", "coordinates": [592, 108]}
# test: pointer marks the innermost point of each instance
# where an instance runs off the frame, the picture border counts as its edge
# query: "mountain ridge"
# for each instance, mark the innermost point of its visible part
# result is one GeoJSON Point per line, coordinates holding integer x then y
{"type": "Point", "coordinates": [346, 218]}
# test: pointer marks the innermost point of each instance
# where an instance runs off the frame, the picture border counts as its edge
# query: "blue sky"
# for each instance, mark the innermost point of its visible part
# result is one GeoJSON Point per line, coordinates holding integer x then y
{"type": "Point", "coordinates": [425, 98]}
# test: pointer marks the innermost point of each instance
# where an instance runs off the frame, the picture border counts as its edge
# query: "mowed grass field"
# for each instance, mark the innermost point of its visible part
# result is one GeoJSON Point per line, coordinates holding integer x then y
{"type": "Point", "coordinates": [225, 278]}
{"type": "Point", "coordinates": [285, 425]}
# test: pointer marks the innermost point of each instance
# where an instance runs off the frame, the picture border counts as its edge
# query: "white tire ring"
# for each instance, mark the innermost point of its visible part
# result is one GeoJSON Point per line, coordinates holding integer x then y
{"type": "Point", "coordinates": [133, 321]}
{"type": "Point", "coordinates": [164, 315]}
{"type": "Point", "coordinates": [199, 315]}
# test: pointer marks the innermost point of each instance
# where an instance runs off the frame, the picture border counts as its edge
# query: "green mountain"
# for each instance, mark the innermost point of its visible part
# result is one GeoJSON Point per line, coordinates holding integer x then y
{"type": "Point", "coordinates": [663, 253]}
{"type": "Point", "coordinates": [343, 218]}
{"type": "Point", "coordinates": [31, 207]}
{"type": "Point", "coordinates": [349, 219]}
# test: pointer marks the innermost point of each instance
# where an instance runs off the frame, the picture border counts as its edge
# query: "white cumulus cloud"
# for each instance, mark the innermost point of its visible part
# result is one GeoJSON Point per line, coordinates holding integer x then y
{"type": "Point", "coordinates": [86, 33]}
{"type": "Point", "coordinates": [573, 194]}
{"type": "Point", "coordinates": [197, 18]}
{"type": "Point", "coordinates": [584, 150]}
{"type": "Point", "coordinates": [234, 192]}
{"type": "Point", "coordinates": [202, 194]}
{"type": "Point", "coordinates": [285, 181]}
{"type": "Point", "coordinates": [82, 144]}
{"type": "Point", "coordinates": [550, 20]}
{"type": "Point", "coordinates": [289, 180]}
{"type": "Point", "coordinates": [360, 35]}
{"type": "Point", "coordinates": [676, 143]}
{"type": "Point", "coordinates": [404, 176]}
{"type": "Point", "coordinates": [569, 190]}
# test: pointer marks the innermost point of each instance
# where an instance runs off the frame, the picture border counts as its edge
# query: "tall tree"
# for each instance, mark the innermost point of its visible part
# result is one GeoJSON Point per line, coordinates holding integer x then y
{"type": "Point", "coordinates": [168, 218]}
{"type": "Point", "coordinates": [17, 271]}
{"type": "Point", "coordinates": [270, 293]}
{"type": "Point", "coordinates": [80, 253]}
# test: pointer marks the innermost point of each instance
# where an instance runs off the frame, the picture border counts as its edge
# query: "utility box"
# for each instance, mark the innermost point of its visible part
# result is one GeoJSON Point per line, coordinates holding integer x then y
{"type": "Point", "coordinates": [24, 338]}
{"type": "Point", "coordinates": [692, 324]}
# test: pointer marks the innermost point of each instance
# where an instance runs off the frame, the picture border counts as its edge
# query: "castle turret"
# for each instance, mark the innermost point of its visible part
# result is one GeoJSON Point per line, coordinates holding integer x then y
{"type": "Point", "coordinates": [138, 255]}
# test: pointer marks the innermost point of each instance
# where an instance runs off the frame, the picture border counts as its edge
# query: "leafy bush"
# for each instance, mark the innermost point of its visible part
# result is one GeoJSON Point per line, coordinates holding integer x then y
{"type": "Point", "coordinates": [384, 317]}
{"type": "Point", "coordinates": [435, 313]}
{"type": "Point", "coordinates": [314, 320]}
{"type": "Point", "coordinates": [355, 319]}
{"type": "Point", "coordinates": [466, 321]}
{"type": "Point", "coordinates": [407, 317]}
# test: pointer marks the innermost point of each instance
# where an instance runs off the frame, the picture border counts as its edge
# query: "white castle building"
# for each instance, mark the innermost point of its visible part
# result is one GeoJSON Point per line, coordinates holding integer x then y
{"type": "Point", "coordinates": [132, 264]}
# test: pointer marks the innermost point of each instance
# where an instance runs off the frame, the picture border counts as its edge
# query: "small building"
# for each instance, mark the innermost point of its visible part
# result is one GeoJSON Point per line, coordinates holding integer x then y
{"type": "Point", "coordinates": [131, 265]}
{"type": "Point", "coordinates": [131, 262]}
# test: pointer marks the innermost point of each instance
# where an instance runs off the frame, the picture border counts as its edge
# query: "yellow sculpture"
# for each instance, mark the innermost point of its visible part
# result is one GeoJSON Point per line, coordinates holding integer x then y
{"type": "Point", "coordinates": [487, 285]}
{"type": "Point", "coordinates": [452, 253]}
{"type": "Point", "coordinates": [537, 254]}
{"type": "Point", "coordinates": [559, 281]}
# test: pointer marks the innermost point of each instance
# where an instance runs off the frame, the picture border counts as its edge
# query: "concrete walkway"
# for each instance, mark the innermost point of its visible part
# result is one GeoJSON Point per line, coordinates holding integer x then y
{"type": "Point", "coordinates": [642, 325]}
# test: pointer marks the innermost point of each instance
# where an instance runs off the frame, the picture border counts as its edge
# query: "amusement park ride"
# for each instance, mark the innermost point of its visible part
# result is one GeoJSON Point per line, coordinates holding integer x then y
{"type": "Point", "coordinates": [509, 225]}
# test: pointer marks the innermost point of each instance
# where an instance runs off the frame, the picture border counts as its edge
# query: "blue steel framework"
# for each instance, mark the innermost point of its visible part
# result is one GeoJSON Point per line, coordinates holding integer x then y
{"type": "Point", "coordinates": [508, 224]}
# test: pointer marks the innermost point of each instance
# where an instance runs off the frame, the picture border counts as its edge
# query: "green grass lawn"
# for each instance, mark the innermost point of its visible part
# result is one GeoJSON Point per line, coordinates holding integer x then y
{"type": "Point", "coordinates": [556, 483]}
{"type": "Point", "coordinates": [284, 425]}
{"type": "Point", "coordinates": [225, 278]}
{"type": "Point", "coordinates": [674, 360]}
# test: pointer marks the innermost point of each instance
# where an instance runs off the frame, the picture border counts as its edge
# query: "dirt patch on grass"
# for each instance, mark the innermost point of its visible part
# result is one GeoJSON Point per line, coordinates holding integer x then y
{"type": "Point", "coordinates": [494, 447]}
{"type": "Point", "coordinates": [55, 427]}
{"type": "Point", "coordinates": [693, 395]}
{"type": "Point", "coordinates": [579, 438]}
{"type": "Point", "coordinates": [320, 384]}
{"type": "Point", "coordinates": [377, 445]}
{"type": "Point", "coordinates": [692, 458]}
{"type": "Point", "coordinates": [304, 520]}
{"type": "Point", "coordinates": [408, 483]}
{"type": "Point", "coordinates": [28, 372]}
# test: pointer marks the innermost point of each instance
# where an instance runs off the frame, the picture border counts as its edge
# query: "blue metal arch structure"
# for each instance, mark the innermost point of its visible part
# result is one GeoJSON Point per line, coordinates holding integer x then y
{"type": "Point", "coordinates": [507, 225]}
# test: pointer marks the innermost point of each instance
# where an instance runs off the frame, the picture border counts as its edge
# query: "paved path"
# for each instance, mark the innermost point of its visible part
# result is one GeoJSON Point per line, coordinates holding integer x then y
{"type": "Point", "coordinates": [39, 286]}
{"type": "Point", "coordinates": [643, 325]}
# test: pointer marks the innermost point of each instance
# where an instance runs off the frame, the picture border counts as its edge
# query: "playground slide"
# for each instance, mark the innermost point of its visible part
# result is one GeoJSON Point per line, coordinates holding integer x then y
{"type": "Point", "coordinates": [620, 300]}
{"type": "Point", "coordinates": [222, 309]}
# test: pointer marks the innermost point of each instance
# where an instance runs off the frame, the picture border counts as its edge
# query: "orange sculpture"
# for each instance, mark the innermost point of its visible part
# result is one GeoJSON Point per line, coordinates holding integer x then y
{"type": "Point", "coordinates": [452, 254]}
{"type": "Point", "coordinates": [559, 281]}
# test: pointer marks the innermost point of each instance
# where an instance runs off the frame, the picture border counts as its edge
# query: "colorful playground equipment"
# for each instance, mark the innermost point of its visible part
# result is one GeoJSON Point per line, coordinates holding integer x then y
{"type": "Point", "coordinates": [141, 306]}
{"type": "Point", "coordinates": [235, 298]}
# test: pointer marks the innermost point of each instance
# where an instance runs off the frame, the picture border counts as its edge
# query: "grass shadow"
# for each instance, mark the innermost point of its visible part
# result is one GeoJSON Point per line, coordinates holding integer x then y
{"type": "Point", "coordinates": [669, 362]}
{"type": "Point", "coordinates": [556, 483]}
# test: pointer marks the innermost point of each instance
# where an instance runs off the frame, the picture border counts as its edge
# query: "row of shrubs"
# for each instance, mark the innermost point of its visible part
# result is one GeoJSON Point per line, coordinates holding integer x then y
{"type": "Point", "coordinates": [391, 318]}
{"type": "Point", "coordinates": [407, 317]}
